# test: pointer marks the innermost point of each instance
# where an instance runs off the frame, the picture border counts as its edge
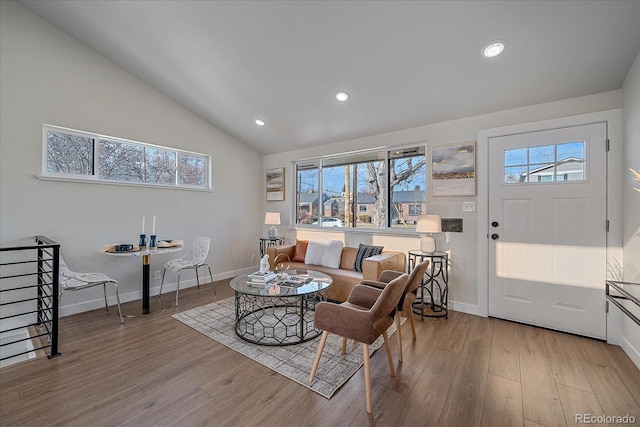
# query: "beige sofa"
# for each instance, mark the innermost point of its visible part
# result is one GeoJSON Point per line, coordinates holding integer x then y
{"type": "Point", "coordinates": [344, 278]}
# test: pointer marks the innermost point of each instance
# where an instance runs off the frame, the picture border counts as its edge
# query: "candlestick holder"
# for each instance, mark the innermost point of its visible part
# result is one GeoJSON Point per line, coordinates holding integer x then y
{"type": "Point", "coordinates": [143, 240]}
{"type": "Point", "coordinates": [152, 241]}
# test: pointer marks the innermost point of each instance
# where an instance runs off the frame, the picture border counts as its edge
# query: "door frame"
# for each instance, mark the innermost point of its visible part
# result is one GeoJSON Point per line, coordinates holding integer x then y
{"type": "Point", "coordinates": [613, 119]}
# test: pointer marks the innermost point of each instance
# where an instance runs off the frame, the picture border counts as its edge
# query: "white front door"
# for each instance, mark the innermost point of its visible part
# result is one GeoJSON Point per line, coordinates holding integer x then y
{"type": "Point", "coordinates": [547, 228]}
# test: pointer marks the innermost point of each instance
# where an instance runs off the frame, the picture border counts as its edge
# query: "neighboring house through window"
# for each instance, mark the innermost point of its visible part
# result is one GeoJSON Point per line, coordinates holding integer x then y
{"type": "Point", "coordinates": [368, 189]}
{"type": "Point", "coordinates": [546, 163]}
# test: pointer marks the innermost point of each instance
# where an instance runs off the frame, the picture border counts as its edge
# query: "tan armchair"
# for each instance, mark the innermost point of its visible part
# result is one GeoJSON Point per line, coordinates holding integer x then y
{"type": "Point", "coordinates": [367, 314]}
{"type": "Point", "coordinates": [405, 306]}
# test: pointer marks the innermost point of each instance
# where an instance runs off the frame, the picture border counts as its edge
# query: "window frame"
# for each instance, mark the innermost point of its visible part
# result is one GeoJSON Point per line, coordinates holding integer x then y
{"type": "Point", "coordinates": [318, 163]}
{"type": "Point", "coordinates": [95, 176]}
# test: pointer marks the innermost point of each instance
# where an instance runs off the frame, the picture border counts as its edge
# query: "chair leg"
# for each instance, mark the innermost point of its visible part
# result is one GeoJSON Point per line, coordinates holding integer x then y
{"type": "Point", "coordinates": [413, 324]}
{"type": "Point", "coordinates": [211, 276]}
{"type": "Point", "coordinates": [367, 377]}
{"type": "Point", "coordinates": [118, 303]}
{"type": "Point", "coordinates": [164, 270]}
{"type": "Point", "coordinates": [104, 289]}
{"type": "Point", "coordinates": [344, 346]}
{"type": "Point", "coordinates": [399, 328]}
{"type": "Point", "coordinates": [197, 278]}
{"type": "Point", "coordinates": [387, 347]}
{"type": "Point", "coordinates": [316, 361]}
{"type": "Point", "coordinates": [178, 287]}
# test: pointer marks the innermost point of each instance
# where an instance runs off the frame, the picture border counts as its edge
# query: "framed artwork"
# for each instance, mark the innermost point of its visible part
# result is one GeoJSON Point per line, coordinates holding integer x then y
{"type": "Point", "coordinates": [453, 169]}
{"type": "Point", "coordinates": [275, 184]}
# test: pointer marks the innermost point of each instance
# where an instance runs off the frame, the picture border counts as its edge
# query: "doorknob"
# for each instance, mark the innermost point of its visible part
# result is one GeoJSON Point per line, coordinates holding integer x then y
{"type": "Point", "coordinates": [494, 224]}
{"type": "Point", "coordinates": [494, 236]}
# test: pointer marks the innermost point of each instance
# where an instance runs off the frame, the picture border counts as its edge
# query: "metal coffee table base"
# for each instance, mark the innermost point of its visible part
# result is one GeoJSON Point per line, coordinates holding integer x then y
{"type": "Point", "coordinates": [277, 321]}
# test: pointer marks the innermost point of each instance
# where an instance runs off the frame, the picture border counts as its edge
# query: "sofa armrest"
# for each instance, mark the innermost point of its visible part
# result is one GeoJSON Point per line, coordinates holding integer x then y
{"type": "Point", "coordinates": [373, 266]}
{"type": "Point", "coordinates": [274, 251]}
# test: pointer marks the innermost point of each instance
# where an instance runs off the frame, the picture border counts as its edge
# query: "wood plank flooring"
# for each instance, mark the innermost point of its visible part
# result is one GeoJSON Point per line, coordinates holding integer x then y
{"type": "Point", "coordinates": [461, 371]}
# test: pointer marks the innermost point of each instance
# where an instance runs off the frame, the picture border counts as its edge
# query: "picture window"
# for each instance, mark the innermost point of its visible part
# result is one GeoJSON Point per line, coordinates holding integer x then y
{"type": "Point", "coordinates": [374, 189]}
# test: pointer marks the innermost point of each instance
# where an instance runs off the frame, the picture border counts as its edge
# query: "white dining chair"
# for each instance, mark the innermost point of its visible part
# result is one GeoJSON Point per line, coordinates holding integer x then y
{"type": "Point", "coordinates": [74, 281]}
{"type": "Point", "coordinates": [192, 260]}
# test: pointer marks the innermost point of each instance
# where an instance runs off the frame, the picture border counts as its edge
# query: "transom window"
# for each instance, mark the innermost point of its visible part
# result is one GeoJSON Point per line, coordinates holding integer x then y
{"type": "Point", "coordinates": [368, 189]}
{"type": "Point", "coordinates": [545, 163]}
{"type": "Point", "coordinates": [92, 157]}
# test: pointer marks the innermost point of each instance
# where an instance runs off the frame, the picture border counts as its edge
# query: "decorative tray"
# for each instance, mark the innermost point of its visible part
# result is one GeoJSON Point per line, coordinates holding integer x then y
{"type": "Point", "coordinates": [112, 250]}
{"type": "Point", "coordinates": [165, 243]}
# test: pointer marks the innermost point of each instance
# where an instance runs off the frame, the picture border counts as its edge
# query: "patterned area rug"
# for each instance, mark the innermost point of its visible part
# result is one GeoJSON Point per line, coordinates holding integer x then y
{"type": "Point", "coordinates": [217, 320]}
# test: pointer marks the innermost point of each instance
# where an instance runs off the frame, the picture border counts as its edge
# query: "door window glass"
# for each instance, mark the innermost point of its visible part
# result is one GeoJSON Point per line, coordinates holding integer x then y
{"type": "Point", "coordinates": [561, 162]}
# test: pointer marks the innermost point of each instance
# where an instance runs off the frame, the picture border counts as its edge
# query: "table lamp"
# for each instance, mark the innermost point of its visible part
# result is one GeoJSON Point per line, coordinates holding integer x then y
{"type": "Point", "coordinates": [272, 219]}
{"type": "Point", "coordinates": [428, 224]}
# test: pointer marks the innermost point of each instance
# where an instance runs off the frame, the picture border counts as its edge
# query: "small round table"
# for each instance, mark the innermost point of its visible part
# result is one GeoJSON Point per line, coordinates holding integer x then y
{"type": "Point", "coordinates": [437, 279]}
{"type": "Point", "coordinates": [145, 253]}
{"type": "Point", "coordinates": [279, 312]}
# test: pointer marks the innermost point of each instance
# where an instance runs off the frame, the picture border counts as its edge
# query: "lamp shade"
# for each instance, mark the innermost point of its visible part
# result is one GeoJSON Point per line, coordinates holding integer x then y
{"type": "Point", "coordinates": [429, 224]}
{"type": "Point", "coordinates": [272, 218]}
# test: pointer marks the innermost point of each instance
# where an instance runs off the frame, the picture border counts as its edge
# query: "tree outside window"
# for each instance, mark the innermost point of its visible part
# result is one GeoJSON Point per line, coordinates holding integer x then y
{"type": "Point", "coordinates": [371, 189]}
{"type": "Point", "coordinates": [69, 154]}
{"type": "Point", "coordinates": [96, 157]}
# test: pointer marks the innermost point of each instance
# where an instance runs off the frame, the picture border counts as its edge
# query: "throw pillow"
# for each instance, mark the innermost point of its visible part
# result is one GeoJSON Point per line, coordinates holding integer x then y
{"type": "Point", "coordinates": [326, 254]}
{"type": "Point", "coordinates": [300, 250]}
{"type": "Point", "coordinates": [365, 251]}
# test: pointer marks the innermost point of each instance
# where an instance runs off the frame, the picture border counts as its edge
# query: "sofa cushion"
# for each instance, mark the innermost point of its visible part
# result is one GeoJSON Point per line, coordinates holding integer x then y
{"type": "Point", "coordinates": [300, 250]}
{"type": "Point", "coordinates": [327, 254]}
{"type": "Point", "coordinates": [365, 251]}
{"type": "Point", "coordinates": [348, 257]}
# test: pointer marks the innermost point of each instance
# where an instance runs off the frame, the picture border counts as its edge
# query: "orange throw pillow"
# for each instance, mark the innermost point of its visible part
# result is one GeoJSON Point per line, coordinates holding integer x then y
{"type": "Point", "coordinates": [300, 251]}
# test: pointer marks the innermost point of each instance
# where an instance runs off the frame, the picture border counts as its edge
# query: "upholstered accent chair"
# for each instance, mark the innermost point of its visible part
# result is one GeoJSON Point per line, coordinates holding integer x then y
{"type": "Point", "coordinates": [405, 306]}
{"type": "Point", "coordinates": [367, 314]}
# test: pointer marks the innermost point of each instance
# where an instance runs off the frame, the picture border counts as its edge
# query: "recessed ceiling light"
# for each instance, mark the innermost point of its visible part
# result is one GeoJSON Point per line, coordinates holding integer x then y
{"type": "Point", "coordinates": [493, 49]}
{"type": "Point", "coordinates": [260, 122]}
{"type": "Point", "coordinates": [342, 96]}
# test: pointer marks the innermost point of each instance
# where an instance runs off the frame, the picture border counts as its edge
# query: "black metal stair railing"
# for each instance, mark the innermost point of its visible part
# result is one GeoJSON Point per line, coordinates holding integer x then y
{"type": "Point", "coordinates": [29, 287]}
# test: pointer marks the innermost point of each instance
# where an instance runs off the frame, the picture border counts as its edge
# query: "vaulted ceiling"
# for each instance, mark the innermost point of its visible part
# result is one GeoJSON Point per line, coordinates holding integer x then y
{"type": "Point", "coordinates": [404, 64]}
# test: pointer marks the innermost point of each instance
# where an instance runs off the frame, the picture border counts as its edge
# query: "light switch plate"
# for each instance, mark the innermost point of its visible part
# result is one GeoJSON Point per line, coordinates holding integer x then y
{"type": "Point", "coordinates": [468, 206]}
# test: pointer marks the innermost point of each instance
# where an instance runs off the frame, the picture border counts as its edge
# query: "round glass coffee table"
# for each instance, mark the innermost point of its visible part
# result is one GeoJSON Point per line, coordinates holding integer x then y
{"type": "Point", "coordinates": [279, 312]}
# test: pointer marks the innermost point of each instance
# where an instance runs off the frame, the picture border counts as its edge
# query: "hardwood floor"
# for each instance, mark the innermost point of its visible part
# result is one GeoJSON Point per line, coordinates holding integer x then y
{"type": "Point", "coordinates": [461, 371]}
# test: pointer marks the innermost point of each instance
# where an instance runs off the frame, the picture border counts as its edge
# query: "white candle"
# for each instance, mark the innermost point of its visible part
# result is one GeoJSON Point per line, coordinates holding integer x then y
{"type": "Point", "coordinates": [142, 232]}
{"type": "Point", "coordinates": [153, 230]}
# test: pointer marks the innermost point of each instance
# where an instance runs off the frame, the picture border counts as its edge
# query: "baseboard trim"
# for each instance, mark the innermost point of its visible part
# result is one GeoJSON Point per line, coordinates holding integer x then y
{"type": "Point", "coordinates": [630, 350]}
{"type": "Point", "coordinates": [154, 289]}
{"type": "Point", "coordinates": [464, 307]}
{"type": "Point", "coordinates": [68, 310]}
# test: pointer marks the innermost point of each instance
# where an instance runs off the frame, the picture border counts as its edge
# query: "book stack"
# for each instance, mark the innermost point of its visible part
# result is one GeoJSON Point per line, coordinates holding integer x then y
{"type": "Point", "coordinates": [262, 278]}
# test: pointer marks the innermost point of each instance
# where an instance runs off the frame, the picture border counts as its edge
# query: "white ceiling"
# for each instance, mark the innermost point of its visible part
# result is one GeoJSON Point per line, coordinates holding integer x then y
{"type": "Point", "coordinates": [404, 64]}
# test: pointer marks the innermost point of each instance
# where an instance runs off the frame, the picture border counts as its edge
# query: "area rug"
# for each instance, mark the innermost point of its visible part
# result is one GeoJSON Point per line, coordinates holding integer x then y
{"type": "Point", "coordinates": [217, 320]}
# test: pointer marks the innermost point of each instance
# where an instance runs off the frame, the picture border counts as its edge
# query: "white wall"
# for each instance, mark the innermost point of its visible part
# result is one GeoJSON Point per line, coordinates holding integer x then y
{"type": "Point", "coordinates": [630, 337]}
{"type": "Point", "coordinates": [463, 279]}
{"type": "Point", "coordinates": [48, 77]}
